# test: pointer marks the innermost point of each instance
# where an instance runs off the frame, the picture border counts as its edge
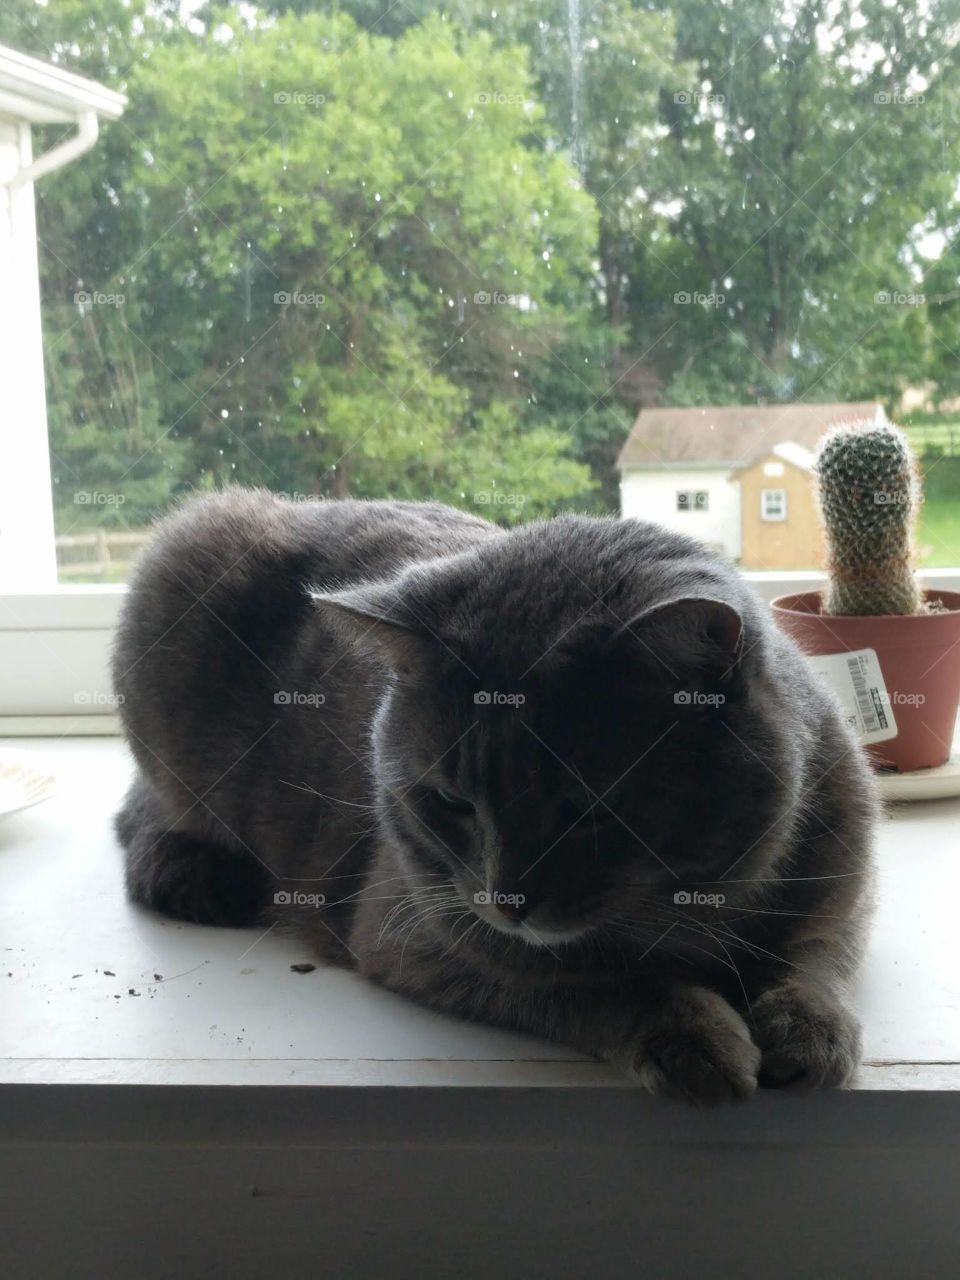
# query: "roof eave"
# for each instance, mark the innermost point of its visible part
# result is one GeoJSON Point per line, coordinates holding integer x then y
{"type": "Point", "coordinates": [45, 94]}
{"type": "Point", "coordinates": [692, 465]}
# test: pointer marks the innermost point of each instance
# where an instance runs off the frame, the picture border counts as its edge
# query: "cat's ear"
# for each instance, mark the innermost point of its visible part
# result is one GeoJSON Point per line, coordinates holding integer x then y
{"type": "Point", "coordinates": [689, 632]}
{"type": "Point", "coordinates": [377, 618]}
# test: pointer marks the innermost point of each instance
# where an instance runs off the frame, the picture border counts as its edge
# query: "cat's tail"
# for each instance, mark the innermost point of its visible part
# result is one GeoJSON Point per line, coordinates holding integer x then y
{"type": "Point", "coordinates": [185, 876]}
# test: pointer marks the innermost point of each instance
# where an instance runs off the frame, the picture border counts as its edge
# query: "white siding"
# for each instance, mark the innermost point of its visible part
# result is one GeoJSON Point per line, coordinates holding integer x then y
{"type": "Point", "coordinates": [652, 495]}
{"type": "Point", "coordinates": [27, 556]}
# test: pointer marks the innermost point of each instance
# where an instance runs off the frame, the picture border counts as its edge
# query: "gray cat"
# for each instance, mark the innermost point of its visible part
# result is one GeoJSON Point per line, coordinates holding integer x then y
{"type": "Point", "coordinates": [567, 779]}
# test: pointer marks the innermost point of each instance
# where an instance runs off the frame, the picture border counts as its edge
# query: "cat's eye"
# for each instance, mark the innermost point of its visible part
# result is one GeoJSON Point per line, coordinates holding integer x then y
{"type": "Point", "coordinates": [450, 800]}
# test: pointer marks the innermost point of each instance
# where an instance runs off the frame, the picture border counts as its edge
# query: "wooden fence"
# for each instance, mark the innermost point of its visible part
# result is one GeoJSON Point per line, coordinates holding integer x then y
{"type": "Point", "coordinates": [104, 555]}
{"type": "Point", "coordinates": [935, 437]}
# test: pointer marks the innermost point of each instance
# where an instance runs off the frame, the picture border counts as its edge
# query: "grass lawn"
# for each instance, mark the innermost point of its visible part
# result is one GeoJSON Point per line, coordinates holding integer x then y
{"type": "Point", "coordinates": [939, 536]}
{"type": "Point", "coordinates": [940, 533]}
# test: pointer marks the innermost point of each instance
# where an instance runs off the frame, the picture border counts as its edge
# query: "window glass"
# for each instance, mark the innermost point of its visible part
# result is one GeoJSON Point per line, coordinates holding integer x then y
{"type": "Point", "coordinates": [773, 504]}
{"type": "Point", "coordinates": [469, 252]}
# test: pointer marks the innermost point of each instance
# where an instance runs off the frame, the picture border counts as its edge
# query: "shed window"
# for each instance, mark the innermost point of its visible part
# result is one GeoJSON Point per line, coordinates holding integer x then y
{"type": "Point", "coordinates": [773, 504]}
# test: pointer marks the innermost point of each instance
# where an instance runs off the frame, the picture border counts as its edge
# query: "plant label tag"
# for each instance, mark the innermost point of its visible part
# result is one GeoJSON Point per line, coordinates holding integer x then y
{"type": "Point", "coordinates": [858, 685]}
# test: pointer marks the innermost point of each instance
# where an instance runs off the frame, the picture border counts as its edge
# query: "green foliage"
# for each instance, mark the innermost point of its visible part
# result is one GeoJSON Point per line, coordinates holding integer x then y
{"type": "Point", "coordinates": [869, 495]}
{"type": "Point", "coordinates": [524, 223]}
{"type": "Point", "coordinates": [335, 254]}
{"type": "Point", "coordinates": [801, 162]}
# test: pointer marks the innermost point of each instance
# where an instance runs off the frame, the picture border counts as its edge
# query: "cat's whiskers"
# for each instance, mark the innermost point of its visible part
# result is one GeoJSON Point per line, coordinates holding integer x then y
{"type": "Point", "coordinates": [358, 875]}
{"type": "Point", "coordinates": [376, 884]}
{"type": "Point", "coordinates": [641, 936]}
{"type": "Point", "coordinates": [682, 914]}
{"type": "Point", "coordinates": [432, 913]}
{"type": "Point", "coordinates": [733, 965]}
{"type": "Point", "coordinates": [769, 911]}
{"type": "Point", "coordinates": [432, 910]}
{"type": "Point", "coordinates": [405, 899]}
{"type": "Point", "coordinates": [419, 901]}
{"type": "Point", "coordinates": [752, 949]}
{"type": "Point", "coordinates": [838, 875]}
{"type": "Point", "coordinates": [457, 939]}
{"type": "Point", "coordinates": [420, 896]}
{"type": "Point", "coordinates": [744, 911]}
{"type": "Point", "coordinates": [311, 791]}
{"type": "Point", "coordinates": [755, 949]}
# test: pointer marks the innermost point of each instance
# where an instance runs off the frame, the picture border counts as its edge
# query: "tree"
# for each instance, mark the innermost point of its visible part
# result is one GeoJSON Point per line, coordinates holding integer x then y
{"type": "Point", "coordinates": [801, 165]}
{"type": "Point", "coordinates": [450, 249]}
{"type": "Point", "coordinates": [367, 226]}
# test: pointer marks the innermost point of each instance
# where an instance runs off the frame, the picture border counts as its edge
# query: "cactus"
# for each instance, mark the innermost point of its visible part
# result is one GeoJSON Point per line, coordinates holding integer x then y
{"type": "Point", "coordinates": [869, 497]}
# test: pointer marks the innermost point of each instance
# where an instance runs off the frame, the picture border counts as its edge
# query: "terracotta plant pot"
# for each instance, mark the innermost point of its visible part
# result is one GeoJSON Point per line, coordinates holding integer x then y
{"type": "Point", "coordinates": [919, 657]}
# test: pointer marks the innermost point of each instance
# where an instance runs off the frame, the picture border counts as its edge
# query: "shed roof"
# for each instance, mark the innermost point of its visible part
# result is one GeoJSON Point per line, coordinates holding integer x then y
{"type": "Point", "coordinates": [731, 435]}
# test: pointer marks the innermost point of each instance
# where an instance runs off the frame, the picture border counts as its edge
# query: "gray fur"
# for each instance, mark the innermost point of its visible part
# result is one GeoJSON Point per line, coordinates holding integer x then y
{"type": "Point", "coordinates": [669, 740]}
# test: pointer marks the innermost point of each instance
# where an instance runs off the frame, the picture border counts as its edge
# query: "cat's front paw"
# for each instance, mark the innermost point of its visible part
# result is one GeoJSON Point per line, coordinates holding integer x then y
{"type": "Point", "coordinates": [806, 1036]}
{"type": "Point", "coordinates": [698, 1048]}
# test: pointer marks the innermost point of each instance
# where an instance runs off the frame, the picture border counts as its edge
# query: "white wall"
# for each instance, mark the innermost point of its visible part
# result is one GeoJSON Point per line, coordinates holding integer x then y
{"type": "Point", "coordinates": [27, 554]}
{"type": "Point", "coordinates": [652, 495]}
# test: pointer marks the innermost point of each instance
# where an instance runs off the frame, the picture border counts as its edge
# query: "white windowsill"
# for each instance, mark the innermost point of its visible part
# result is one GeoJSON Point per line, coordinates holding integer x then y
{"type": "Point", "coordinates": [228, 1010]}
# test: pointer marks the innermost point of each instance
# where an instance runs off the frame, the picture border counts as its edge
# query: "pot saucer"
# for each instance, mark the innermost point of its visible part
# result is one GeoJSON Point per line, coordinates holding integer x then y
{"type": "Point", "coordinates": [940, 783]}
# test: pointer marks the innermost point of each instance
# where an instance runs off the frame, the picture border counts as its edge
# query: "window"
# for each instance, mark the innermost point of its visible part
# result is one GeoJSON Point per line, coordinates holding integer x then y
{"type": "Point", "coordinates": [773, 504]}
{"type": "Point", "coordinates": [410, 256]}
{"type": "Point", "coordinates": [693, 500]}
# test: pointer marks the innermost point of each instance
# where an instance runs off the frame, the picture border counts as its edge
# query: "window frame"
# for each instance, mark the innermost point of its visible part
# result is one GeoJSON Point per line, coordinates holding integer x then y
{"type": "Point", "coordinates": [765, 515]}
{"type": "Point", "coordinates": [55, 647]}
